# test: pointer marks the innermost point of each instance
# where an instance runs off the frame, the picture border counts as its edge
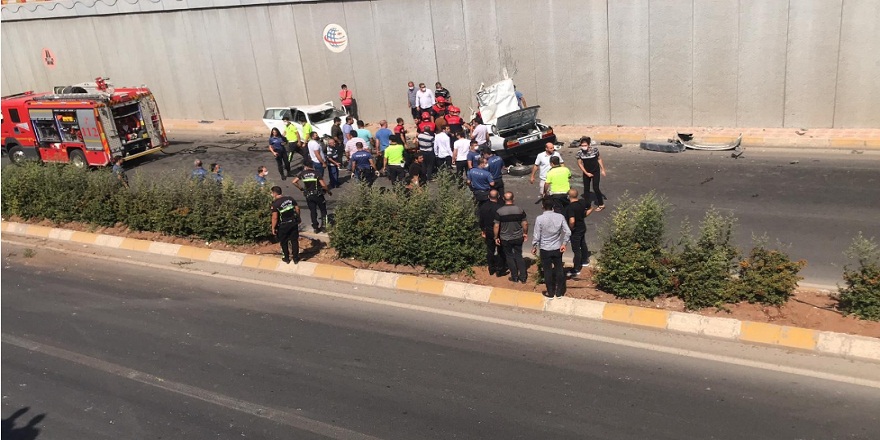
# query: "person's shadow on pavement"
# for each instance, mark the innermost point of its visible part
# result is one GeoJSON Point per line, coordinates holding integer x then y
{"type": "Point", "coordinates": [27, 432]}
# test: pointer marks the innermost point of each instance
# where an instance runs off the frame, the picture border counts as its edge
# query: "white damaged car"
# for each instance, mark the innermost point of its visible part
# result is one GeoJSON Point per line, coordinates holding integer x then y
{"type": "Point", "coordinates": [319, 116]}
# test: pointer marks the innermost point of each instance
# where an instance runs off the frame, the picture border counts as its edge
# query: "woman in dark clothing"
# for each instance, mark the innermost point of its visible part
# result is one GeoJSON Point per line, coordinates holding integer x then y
{"type": "Point", "coordinates": [277, 144]}
{"type": "Point", "coordinates": [592, 167]}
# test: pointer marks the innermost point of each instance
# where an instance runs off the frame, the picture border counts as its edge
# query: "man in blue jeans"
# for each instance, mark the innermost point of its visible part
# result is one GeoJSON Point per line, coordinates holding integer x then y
{"type": "Point", "coordinates": [550, 235]}
{"type": "Point", "coordinates": [317, 155]}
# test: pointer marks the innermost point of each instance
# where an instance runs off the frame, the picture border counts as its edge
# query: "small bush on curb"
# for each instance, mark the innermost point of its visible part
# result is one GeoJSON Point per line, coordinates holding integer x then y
{"type": "Point", "coordinates": [767, 276]}
{"type": "Point", "coordinates": [631, 263]}
{"type": "Point", "coordinates": [434, 227]}
{"type": "Point", "coordinates": [861, 295]}
{"type": "Point", "coordinates": [705, 265]}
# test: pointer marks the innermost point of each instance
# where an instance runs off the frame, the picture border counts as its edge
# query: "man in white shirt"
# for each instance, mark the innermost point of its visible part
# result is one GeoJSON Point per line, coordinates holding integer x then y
{"type": "Point", "coordinates": [481, 135]}
{"type": "Point", "coordinates": [317, 155]}
{"type": "Point", "coordinates": [460, 149]}
{"type": "Point", "coordinates": [351, 144]}
{"type": "Point", "coordinates": [443, 149]}
{"type": "Point", "coordinates": [425, 98]}
{"type": "Point", "coordinates": [542, 165]}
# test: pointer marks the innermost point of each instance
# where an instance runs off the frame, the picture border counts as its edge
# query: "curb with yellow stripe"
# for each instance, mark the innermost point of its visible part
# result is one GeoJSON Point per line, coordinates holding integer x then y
{"type": "Point", "coordinates": [724, 328]}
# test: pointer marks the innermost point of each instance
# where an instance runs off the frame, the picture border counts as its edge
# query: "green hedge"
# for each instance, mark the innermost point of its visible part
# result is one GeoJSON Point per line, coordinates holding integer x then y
{"type": "Point", "coordinates": [172, 204]}
{"type": "Point", "coordinates": [861, 294]}
{"type": "Point", "coordinates": [435, 227]}
{"type": "Point", "coordinates": [632, 263]}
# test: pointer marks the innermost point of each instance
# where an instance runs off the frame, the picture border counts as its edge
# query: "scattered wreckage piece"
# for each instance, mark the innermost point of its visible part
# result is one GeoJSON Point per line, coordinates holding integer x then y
{"type": "Point", "coordinates": [685, 141]}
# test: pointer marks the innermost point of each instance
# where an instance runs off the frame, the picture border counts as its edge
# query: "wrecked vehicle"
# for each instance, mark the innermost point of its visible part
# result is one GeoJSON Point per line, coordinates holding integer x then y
{"type": "Point", "coordinates": [518, 136]}
{"type": "Point", "coordinates": [685, 141]}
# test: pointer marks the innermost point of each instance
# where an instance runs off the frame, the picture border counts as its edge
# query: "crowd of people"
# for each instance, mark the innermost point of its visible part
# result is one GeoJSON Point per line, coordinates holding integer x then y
{"type": "Point", "coordinates": [443, 141]}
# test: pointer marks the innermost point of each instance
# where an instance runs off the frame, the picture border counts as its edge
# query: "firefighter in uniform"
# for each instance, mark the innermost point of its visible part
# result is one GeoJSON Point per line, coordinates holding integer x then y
{"type": "Point", "coordinates": [285, 224]}
{"type": "Point", "coordinates": [313, 187]}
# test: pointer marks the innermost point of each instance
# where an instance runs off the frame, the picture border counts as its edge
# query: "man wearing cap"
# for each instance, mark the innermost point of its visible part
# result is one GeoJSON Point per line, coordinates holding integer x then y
{"type": "Point", "coordinates": [313, 187]}
{"type": "Point", "coordinates": [454, 121]}
{"type": "Point", "coordinates": [427, 121]}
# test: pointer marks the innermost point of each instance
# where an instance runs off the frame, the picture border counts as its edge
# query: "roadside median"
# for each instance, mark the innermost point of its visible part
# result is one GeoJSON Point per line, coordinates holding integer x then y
{"type": "Point", "coordinates": [818, 341]}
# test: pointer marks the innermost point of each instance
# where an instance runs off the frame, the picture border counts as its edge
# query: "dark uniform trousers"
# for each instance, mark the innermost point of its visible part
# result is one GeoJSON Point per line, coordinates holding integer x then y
{"type": "Point", "coordinates": [288, 237]}
{"type": "Point", "coordinates": [316, 202]}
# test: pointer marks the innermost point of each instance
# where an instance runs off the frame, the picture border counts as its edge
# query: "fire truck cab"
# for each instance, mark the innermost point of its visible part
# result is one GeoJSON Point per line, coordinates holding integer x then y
{"type": "Point", "coordinates": [85, 124]}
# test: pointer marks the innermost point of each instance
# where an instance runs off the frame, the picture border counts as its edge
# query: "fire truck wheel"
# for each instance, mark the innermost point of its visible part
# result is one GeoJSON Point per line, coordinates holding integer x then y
{"type": "Point", "coordinates": [16, 155]}
{"type": "Point", "coordinates": [78, 159]}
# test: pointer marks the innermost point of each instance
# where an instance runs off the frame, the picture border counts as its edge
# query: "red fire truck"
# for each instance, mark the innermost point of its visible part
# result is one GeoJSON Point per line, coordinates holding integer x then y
{"type": "Point", "coordinates": [84, 124]}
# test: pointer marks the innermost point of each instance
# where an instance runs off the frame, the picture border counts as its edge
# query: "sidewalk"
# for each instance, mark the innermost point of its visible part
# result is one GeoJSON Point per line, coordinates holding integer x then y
{"type": "Point", "coordinates": [837, 344]}
{"type": "Point", "coordinates": [838, 138]}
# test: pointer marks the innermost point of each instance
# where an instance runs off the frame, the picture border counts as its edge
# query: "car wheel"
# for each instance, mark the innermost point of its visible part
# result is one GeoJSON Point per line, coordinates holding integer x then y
{"type": "Point", "coordinates": [77, 158]}
{"type": "Point", "coordinates": [16, 155]}
{"type": "Point", "coordinates": [519, 170]}
{"type": "Point", "coordinates": [664, 147]}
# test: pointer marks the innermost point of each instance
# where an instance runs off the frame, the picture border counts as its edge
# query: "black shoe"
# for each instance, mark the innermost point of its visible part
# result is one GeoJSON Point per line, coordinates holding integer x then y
{"type": "Point", "coordinates": [491, 271]}
{"type": "Point", "coordinates": [559, 295]}
{"type": "Point", "coordinates": [296, 260]}
{"type": "Point", "coordinates": [522, 281]}
{"type": "Point", "coordinates": [500, 273]}
{"type": "Point", "coordinates": [514, 279]}
{"type": "Point", "coordinates": [286, 260]}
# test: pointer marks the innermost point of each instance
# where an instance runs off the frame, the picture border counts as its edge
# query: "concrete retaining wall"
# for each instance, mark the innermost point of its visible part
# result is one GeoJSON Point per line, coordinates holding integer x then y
{"type": "Point", "coordinates": [769, 63]}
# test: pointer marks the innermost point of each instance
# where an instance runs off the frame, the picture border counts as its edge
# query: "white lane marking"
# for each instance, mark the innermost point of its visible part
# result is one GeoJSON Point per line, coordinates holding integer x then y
{"type": "Point", "coordinates": [505, 322]}
{"type": "Point", "coordinates": [275, 415]}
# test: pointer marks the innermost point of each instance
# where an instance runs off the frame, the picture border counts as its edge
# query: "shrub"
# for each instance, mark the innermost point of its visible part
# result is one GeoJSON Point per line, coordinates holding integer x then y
{"type": "Point", "coordinates": [432, 227]}
{"type": "Point", "coordinates": [767, 276]}
{"type": "Point", "coordinates": [861, 295]}
{"type": "Point", "coordinates": [631, 263]}
{"type": "Point", "coordinates": [705, 265]}
{"type": "Point", "coordinates": [172, 204]}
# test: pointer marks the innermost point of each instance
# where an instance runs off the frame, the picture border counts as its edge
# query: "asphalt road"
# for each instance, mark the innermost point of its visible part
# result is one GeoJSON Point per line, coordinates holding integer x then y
{"type": "Point", "coordinates": [163, 349]}
{"type": "Point", "coordinates": [811, 201]}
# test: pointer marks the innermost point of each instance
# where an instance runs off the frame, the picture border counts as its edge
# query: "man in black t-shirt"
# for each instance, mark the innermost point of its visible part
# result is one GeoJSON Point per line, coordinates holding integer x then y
{"type": "Point", "coordinates": [313, 187]}
{"type": "Point", "coordinates": [575, 213]}
{"type": "Point", "coordinates": [417, 175]}
{"type": "Point", "coordinates": [285, 224]}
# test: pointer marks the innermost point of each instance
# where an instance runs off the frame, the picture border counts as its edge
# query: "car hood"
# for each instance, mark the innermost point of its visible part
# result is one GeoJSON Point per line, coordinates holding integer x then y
{"type": "Point", "coordinates": [497, 100]}
{"type": "Point", "coordinates": [520, 118]}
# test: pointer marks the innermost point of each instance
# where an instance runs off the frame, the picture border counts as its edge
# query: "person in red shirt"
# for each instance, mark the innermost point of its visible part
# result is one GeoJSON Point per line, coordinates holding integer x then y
{"type": "Point", "coordinates": [346, 98]}
{"type": "Point", "coordinates": [454, 121]}
{"type": "Point", "coordinates": [439, 109]}
{"type": "Point", "coordinates": [427, 121]}
{"type": "Point", "coordinates": [400, 130]}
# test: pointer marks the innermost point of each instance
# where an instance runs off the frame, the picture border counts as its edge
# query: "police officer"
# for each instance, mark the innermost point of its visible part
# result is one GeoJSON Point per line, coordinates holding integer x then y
{"type": "Point", "coordinates": [285, 224]}
{"type": "Point", "coordinates": [313, 187]}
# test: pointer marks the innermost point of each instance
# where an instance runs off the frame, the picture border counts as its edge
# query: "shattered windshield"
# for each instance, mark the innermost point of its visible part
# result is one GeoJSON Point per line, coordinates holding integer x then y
{"type": "Point", "coordinates": [325, 115]}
